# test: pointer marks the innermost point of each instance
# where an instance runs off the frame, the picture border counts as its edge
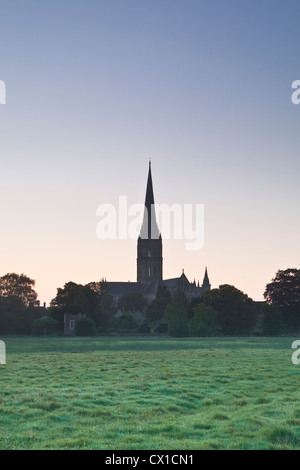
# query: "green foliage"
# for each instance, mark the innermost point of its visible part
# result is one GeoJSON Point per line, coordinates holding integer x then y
{"type": "Point", "coordinates": [284, 292]}
{"type": "Point", "coordinates": [193, 303]}
{"type": "Point", "coordinates": [127, 322]}
{"type": "Point", "coordinates": [237, 312]}
{"type": "Point", "coordinates": [43, 325]}
{"type": "Point", "coordinates": [85, 327]}
{"type": "Point", "coordinates": [144, 328]}
{"type": "Point", "coordinates": [176, 315]}
{"type": "Point", "coordinates": [156, 309]}
{"type": "Point", "coordinates": [159, 327]}
{"type": "Point", "coordinates": [205, 321]}
{"type": "Point", "coordinates": [132, 302]}
{"type": "Point", "coordinates": [15, 318]}
{"type": "Point", "coordinates": [57, 313]}
{"type": "Point", "coordinates": [102, 316]}
{"type": "Point", "coordinates": [272, 321]}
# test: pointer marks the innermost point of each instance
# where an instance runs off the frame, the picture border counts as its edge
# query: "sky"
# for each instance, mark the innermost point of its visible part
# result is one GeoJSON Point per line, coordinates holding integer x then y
{"type": "Point", "coordinates": [94, 88]}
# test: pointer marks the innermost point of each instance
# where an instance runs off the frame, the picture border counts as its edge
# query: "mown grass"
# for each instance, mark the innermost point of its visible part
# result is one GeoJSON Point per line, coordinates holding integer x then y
{"type": "Point", "coordinates": [149, 393]}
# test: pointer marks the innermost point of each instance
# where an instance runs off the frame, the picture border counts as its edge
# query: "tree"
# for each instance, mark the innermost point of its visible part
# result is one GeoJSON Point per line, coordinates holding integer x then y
{"type": "Point", "coordinates": [85, 327]}
{"type": "Point", "coordinates": [205, 321]}
{"type": "Point", "coordinates": [19, 286]}
{"type": "Point", "coordinates": [127, 321]}
{"type": "Point", "coordinates": [144, 328]}
{"type": "Point", "coordinates": [237, 313]}
{"type": "Point", "coordinates": [272, 321]}
{"type": "Point", "coordinates": [193, 303]}
{"type": "Point", "coordinates": [73, 298]}
{"type": "Point", "coordinates": [176, 315]}
{"type": "Point", "coordinates": [132, 302]}
{"type": "Point", "coordinates": [102, 290]}
{"type": "Point", "coordinates": [43, 325]}
{"type": "Point", "coordinates": [284, 292]}
{"type": "Point", "coordinates": [156, 309]}
{"type": "Point", "coordinates": [103, 316]}
{"type": "Point", "coordinates": [14, 317]}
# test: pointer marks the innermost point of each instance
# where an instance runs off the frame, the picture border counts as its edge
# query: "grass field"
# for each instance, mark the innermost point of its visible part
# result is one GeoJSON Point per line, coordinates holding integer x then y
{"type": "Point", "coordinates": [149, 393]}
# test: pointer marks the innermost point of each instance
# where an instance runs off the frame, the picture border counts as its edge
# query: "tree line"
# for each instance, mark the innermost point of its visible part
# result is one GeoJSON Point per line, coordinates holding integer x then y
{"type": "Point", "coordinates": [224, 311]}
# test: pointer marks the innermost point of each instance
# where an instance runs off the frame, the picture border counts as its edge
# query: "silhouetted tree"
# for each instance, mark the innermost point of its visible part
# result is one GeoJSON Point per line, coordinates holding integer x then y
{"type": "Point", "coordinates": [156, 309]}
{"type": "Point", "coordinates": [102, 290]}
{"type": "Point", "coordinates": [284, 292]}
{"type": "Point", "coordinates": [237, 312]}
{"type": "Point", "coordinates": [73, 298]}
{"type": "Point", "coordinates": [103, 315]}
{"type": "Point", "coordinates": [85, 327]}
{"type": "Point", "coordinates": [44, 325]}
{"type": "Point", "coordinates": [205, 321]}
{"type": "Point", "coordinates": [127, 322]}
{"type": "Point", "coordinates": [176, 315]}
{"type": "Point", "coordinates": [272, 321]}
{"type": "Point", "coordinates": [193, 303]}
{"type": "Point", "coordinates": [15, 318]}
{"type": "Point", "coordinates": [19, 286]}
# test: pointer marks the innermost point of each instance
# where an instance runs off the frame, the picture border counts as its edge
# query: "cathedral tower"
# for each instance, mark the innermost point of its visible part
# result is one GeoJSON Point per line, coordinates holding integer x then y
{"type": "Point", "coordinates": [149, 245]}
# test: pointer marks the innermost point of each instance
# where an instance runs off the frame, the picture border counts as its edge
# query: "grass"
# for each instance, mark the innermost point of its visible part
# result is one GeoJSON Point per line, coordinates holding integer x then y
{"type": "Point", "coordinates": [149, 393]}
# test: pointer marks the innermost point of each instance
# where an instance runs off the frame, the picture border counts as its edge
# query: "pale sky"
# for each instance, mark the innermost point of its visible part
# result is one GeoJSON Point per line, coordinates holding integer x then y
{"type": "Point", "coordinates": [96, 87]}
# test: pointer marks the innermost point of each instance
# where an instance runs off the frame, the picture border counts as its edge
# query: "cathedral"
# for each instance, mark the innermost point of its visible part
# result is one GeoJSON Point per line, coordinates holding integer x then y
{"type": "Point", "coordinates": [150, 261]}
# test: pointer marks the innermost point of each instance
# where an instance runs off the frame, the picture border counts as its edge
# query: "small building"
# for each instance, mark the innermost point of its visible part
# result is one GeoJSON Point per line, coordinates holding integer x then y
{"type": "Point", "coordinates": [69, 323]}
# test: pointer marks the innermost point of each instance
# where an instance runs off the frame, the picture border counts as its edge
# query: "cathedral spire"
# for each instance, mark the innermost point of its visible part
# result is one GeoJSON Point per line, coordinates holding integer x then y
{"type": "Point", "coordinates": [149, 191]}
{"type": "Point", "coordinates": [149, 249]}
{"type": "Point", "coordinates": [149, 228]}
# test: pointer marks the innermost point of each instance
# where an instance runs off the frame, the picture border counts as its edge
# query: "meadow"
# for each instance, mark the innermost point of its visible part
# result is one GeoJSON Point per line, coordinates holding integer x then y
{"type": "Point", "coordinates": [149, 393]}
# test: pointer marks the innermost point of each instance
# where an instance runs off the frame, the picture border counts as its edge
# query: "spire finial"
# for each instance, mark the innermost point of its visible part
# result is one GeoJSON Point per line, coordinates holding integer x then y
{"type": "Point", "coordinates": [150, 161]}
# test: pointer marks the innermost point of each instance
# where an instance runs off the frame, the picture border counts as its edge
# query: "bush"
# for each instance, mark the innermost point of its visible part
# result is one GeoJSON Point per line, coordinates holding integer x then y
{"type": "Point", "coordinates": [102, 331]}
{"type": "Point", "coordinates": [85, 327]}
{"type": "Point", "coordinates": [144, 328]}
{"type": "Point", "coordinates": [176, 315]}
{"type": "Point", "coordinates": [159, 327]}
{"type": "Point", "coordinates": [205, 321]}
{"type": "Point", "coordinates": [127, 322]}
{"type": "Point", "coordinates": [43, 325]}
{"type": "Point", "coordinates": [237, 312]}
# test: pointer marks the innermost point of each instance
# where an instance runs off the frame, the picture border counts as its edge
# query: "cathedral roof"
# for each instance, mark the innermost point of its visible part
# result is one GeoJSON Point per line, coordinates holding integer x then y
{"type": "Point", "coordinates": [121, 288]}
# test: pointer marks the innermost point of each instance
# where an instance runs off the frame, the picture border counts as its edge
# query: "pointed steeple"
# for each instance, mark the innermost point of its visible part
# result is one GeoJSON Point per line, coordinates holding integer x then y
{"type": "Point", "coordinates": [206, 283]}
{"type": "Point", "coordinates": [149, 191]}
{"type": "Point", "coordinates": [149, 246]}
{"type": "Point", "coordinates": [149, 227]}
